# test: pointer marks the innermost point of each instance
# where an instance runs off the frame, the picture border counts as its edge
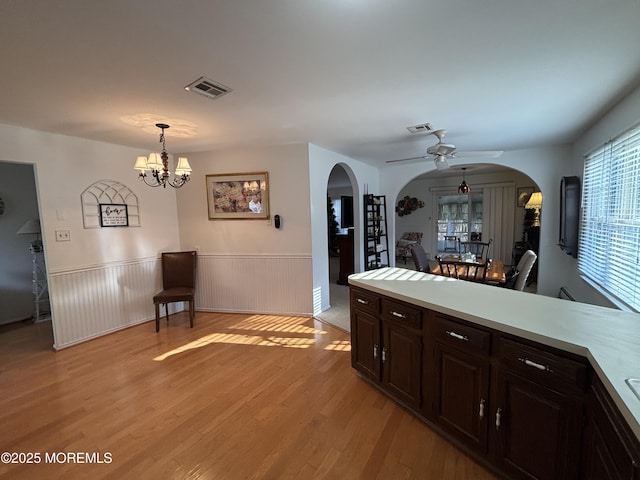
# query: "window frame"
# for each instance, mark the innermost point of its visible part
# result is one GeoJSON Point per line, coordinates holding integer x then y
{"type": "Point", "coordinates": [609, 235]}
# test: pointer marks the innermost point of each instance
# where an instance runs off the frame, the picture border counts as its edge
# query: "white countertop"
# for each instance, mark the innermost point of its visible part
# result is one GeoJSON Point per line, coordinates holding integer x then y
{"type": "Point", "coordinates": [608, 338]}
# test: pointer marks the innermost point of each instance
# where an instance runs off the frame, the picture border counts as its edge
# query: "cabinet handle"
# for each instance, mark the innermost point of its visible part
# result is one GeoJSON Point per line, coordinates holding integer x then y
{"type": "Point", "coordinates": [384, 354]}
{"type": "Point", "coordinates": [481, 412]}
{"type": "Point", "coordinates": [359, 300]}
{"type": "Point", "coordinates": [375, 352]}
{"type": "Point", "coordinates": [498, 418]}
{"type": "Point", "coordinates": [457, 335]}
{"type": "Point", "coordinates": [398, 314]}
{"type": "Point", "coordinates": [533, 364]}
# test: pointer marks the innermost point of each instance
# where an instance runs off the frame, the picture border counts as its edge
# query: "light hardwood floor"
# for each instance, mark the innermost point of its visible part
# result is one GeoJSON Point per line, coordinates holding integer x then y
{"type": "Point", "coordinates": [236, 397]}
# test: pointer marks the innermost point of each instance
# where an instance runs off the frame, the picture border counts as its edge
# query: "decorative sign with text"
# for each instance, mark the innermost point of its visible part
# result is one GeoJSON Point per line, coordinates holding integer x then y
{"type": "Point", "coordinates": [114, 215]}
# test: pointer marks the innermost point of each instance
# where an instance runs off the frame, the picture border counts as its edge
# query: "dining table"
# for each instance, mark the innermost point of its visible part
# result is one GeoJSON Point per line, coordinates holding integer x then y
{"type": "Point", "coordinates": [495, 275]}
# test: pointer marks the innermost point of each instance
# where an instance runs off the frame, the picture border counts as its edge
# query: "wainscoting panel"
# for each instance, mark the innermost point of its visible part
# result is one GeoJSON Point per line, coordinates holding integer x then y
{"type": "Point", "coordinates": [255, 284]}
{"type": "Point", "coordinates": [92, 301]}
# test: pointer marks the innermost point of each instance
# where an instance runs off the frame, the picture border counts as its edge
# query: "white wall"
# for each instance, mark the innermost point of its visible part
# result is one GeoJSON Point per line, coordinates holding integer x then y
{"type": "Point", "coordinates": [249, 265]}
{"type": "Point", "coordinates": [65, 166]}
{"type": "Point", "coordinates": [17, 190]}
{"type": "Point", "coordinates": [623, 116]}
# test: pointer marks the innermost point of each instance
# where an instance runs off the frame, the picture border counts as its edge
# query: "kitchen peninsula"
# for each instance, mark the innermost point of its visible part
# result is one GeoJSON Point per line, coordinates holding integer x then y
{"type": "Point", "coordinates": [532, 386]}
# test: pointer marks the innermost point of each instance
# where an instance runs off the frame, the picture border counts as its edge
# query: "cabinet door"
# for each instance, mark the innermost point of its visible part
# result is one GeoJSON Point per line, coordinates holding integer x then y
{"type": "Point", "coordinates": [365, 343]}
{"type": "Point", "coordinates": [462, 395]}
{"type": "Point", "coordinates": [537, 430]}
{"type": "Point", "coordinates": [609, 447]}
{"type": "Point", "coordinates": [401, 363]}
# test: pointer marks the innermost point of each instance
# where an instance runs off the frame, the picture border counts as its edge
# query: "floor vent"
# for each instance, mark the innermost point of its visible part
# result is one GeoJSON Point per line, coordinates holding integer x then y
{"type": "Point", "coordinates": [208, 88]}
{"type": "Point", "coordinates": [422, 128]}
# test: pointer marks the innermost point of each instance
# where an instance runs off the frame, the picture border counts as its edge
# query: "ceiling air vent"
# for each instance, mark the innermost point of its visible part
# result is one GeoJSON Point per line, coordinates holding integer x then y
{"type": "Point", "coordinates": [208, 88]}
{"type": "Point", "coordinates": [422, 128]}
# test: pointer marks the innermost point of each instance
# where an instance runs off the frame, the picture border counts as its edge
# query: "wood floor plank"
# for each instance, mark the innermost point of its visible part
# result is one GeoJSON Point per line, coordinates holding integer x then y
{"type": "Point", "coordinates": [235, 397]}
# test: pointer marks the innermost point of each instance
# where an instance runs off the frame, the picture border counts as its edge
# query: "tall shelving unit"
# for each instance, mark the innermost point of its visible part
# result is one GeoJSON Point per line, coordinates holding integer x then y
{"type": "Point", "coordinates": [376, 241]}
{"type": "Point", "coordinates": [42, 309]}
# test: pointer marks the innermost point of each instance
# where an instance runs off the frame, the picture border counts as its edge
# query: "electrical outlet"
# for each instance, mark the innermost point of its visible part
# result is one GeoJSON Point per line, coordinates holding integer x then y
{"type": "Point", "coordinates": [63, 236]}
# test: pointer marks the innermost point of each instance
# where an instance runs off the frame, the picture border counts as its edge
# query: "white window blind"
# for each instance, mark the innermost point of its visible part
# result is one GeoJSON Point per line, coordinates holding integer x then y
{"type": "Point", "coordinates": [609, 243]}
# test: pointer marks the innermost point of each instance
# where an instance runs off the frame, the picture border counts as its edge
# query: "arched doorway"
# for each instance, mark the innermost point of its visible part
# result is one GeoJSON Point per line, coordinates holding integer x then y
{"type": "Point", "coordinates": [341, 219]}
{"type": "Point", "coordinates": [494, 208]}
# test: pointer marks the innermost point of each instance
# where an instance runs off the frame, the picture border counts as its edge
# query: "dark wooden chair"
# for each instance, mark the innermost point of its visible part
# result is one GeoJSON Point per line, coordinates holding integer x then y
{"type": "Point", "coordinates": [481, 250]}
{"type": "Point", "coordinates": [178, 283]}
{"type": "Point", "coordinates": [451, 244]}
{"type": "Point", "coordinates": [471, 271]}
{"type": "Point", "coordinates": [420, 259]}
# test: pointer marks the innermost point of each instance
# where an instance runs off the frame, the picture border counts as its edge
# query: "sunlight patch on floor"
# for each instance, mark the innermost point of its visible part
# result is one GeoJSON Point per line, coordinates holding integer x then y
{"type": "Point", "coordinates": [339, 346]}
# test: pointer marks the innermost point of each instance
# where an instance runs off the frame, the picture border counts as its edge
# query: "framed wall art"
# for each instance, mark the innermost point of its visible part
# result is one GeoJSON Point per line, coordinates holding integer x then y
{"type": "Point", "coordinates": [238, 196]}
{"type": "Point", "coordinates": [523, 195]}
{"type": "Point", "coordinates": [114, 215]}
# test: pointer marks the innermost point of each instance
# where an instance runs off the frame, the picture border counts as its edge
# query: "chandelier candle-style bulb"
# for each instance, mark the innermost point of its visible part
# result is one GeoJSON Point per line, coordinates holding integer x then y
{"type": "Point", "coordinates": [158, 163]}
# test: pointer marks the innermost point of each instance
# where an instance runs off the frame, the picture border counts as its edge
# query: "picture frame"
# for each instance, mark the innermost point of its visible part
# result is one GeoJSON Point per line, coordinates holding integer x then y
{"type": "Point", "coordinates": [114, 215]}
{"type": "Point", "coordinates": [238, 196]}
{"type": "Point", "coordinates": [523, 195]}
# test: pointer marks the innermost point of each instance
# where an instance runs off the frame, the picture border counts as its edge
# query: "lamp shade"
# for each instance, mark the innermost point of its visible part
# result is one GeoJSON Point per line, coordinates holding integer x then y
{"type": "Point", "coordinates": [154, 162]}
{"type": "Point", "coordinates": [535, 200]}
{"type": "Point", "coordinates": [141, 164]}
{"type": "Point", "coordinates": [30, 227]}
{"type": "Point", "coordinates": [183, 167]}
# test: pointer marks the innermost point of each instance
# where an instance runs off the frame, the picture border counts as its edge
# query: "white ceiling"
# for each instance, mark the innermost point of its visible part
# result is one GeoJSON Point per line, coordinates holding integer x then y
{"type": "Point", "coordinates": [349, 75]}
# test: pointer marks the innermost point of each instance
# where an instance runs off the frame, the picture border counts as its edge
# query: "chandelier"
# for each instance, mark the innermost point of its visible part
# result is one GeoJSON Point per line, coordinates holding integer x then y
{"type": "Point", "coordinates": [464, 186]}
{"type": "Point", "coordinates": [158, 163]}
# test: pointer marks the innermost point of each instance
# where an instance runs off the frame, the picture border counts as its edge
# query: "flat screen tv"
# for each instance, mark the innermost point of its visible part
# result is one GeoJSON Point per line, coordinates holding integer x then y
{"type": "Point", "coordinates": [346, 215]}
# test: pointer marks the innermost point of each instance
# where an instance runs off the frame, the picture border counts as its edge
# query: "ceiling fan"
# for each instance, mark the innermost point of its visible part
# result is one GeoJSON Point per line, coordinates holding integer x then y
{"type": "Point", "coordinates": [440, 152]}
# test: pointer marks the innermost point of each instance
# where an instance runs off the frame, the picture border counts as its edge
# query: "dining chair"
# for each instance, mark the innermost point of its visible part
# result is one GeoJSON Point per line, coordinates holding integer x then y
{"type": "Point", "coordinates": [524, 269]}
{"type": "Point", "coordinates": [178, 283]}
{"type": "Point", "coordinates": [481, 250]}
{"type": "Point", "coordinates": [420, 259]}
{"type": "Point", "coordinates": [471, 271]}
{"type": "Point", "coordinates": [451, 244]}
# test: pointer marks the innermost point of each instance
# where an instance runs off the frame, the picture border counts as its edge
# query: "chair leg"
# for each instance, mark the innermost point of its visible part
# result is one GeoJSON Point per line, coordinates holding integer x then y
{"type": "Point", "coordinates": [166, 311]}
{"type": "Point", "coordinates": [157, 317]}
{"type": "Point", "coordinates": [192, 312]}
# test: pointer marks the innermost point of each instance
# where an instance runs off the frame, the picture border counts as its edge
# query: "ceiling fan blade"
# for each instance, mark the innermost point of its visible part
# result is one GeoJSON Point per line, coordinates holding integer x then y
{"type": "Point", "coordinates": [478, 153]}
{"type": "Point", "coordinates": [406, 159]}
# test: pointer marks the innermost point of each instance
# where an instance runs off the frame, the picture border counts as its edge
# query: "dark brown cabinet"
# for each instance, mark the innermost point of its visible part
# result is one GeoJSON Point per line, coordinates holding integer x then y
{"type": "Point", "coordinates": [460, 384]}
{"type": "Point", "coordinates": [610, 450]}
{"type": "Point", "coordinates": [345, 247]}
{"type": "Point", "coordinates": [538, 412]}
{"type": "Point", "coordinates": [526, 410]}
{"type": "Point", "coordinates": [385, 345]}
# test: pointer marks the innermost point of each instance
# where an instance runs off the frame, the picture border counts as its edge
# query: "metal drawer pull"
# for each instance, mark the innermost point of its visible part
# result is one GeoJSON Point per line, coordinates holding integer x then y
{"type": "Point", "coordinates": [398, 314]}
{"type": "Point", "coordinates": [384, 354]}
{"type": "Point", "coordinates": [498, 418]}
{"type": "Point", "coordinates": [539, 366]}
{"type": "Point", "coordinates": [359, 300]}
{"type": "Point", "coordinates": [481, 412]}
{"type": "Point", "coordinates": [375, 351]}
{"type": "Point", "coordinates": [457, 335]}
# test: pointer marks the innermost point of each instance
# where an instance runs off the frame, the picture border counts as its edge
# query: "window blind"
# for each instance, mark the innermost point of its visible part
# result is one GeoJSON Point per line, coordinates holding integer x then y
{"type": "Point", "coordinates": [609, 240]}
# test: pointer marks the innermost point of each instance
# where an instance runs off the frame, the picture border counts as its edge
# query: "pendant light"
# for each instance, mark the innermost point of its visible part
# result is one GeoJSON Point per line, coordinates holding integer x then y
{"type": "Point", "coordinates": [464, 186]}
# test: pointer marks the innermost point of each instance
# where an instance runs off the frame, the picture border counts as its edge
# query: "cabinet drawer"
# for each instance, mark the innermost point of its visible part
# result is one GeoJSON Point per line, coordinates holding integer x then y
{"type": "Point", "coordinates": [365, 301]}
{"type": "Point", "coordinates": [401, 314]}
{"type": "Point", "coordinates": [543, 366]}
{"type": "Point", "coordinates": [460, 335]}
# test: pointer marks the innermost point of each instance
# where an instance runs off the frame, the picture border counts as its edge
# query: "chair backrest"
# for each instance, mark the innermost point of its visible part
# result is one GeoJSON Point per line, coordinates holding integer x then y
{"type": "Point", "coordinates": [480, 249]}
{"type": "Point", "coordinates": [524, 269]}
{"type": "Point", "coordinates": [179, 269]}
{"type": "Point", "coordinates": [451, 243]}
{"type": "Point", "coordinates": [420, 258]}
{"type": "Point", "coordinates": [471, 271]}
